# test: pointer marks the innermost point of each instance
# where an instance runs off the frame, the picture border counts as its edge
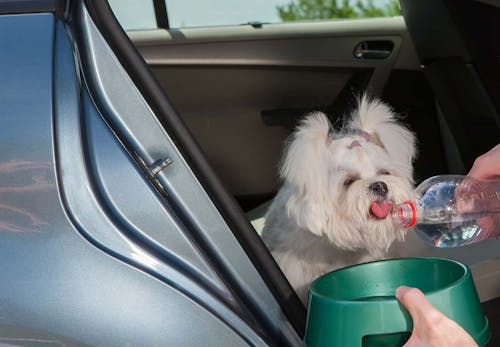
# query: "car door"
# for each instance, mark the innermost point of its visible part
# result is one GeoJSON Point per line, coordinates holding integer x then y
{"type": "Point", "coordinates": [100, 246]}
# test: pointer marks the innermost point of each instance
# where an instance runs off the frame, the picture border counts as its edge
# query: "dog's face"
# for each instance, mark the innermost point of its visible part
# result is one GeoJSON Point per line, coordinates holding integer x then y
{"type": "Point", "coordinates": [363, 184]}
{"type": "Point", "coordinates": [345, 183]}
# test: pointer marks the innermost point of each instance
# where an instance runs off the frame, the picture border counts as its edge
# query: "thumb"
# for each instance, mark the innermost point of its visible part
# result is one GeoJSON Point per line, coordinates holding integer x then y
{"type": "Point", "coordinates": [430, 326]}
{"type": "Point", "coordinates": [414, 301]}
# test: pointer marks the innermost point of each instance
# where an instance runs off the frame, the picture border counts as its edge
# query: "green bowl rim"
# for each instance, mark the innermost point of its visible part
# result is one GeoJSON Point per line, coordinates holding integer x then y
{"type": "Point", "coordinates": [311, 291]}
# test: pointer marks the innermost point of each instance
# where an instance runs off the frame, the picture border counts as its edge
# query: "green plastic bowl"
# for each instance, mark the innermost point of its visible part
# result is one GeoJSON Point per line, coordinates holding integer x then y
{"type": "Point", "coordinates": [356, 306]}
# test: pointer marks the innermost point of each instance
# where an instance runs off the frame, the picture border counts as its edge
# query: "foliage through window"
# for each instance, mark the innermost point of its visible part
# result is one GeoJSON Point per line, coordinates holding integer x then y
{"type": "Point", "coordinates": [333, 9]}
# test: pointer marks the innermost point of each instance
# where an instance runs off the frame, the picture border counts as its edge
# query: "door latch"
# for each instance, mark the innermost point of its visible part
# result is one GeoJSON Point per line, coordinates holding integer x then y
{"type": "Point", "coordinates": [377, 49]}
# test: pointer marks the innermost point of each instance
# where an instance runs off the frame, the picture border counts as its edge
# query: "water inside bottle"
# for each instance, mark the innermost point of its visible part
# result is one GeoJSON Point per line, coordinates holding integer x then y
{"type": "Point", "coordinates": [444, 225]}
{"type": "Point", "coordinates": [454, 234]}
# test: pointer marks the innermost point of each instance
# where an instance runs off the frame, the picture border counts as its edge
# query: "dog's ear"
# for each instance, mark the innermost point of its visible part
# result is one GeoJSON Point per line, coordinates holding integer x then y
{"type": "Point", "coordinates": [383, 126]}
{"type": "Point", "coordinates": [306, 154]}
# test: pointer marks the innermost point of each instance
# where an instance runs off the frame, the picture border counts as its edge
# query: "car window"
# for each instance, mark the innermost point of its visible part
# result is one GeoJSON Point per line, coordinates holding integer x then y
{"type": "Point", "coordinates": [189, 13]}
{"type": "Point", "coordinates": [140, 14]}
{"type": "Point", "coordinates": [134, 14]}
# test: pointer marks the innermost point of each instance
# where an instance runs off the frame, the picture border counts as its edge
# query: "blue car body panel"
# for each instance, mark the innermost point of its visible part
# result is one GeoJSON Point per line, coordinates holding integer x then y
{"type": "Point", "coordinates": [95, 251]}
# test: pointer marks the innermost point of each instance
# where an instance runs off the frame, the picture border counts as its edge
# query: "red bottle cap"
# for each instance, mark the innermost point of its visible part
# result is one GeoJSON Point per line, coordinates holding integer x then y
{"type": "Point", "coordinates": [413, 213]}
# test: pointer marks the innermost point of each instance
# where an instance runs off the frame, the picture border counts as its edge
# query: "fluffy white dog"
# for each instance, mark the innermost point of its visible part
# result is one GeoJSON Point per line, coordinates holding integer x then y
{"type": "Point", "coordinates": [334, 207]}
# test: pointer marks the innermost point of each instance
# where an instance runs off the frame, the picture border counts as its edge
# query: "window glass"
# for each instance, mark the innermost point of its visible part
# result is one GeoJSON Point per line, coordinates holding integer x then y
{"type": "Point", "coordinates": [190, 13]}
{"type": "Point", "coordinates": [134, 14]}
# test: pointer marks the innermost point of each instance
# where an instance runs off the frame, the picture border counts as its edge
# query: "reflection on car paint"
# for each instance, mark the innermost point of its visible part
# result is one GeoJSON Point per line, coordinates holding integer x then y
{"type": "Point", "coordinates": [31, 179]}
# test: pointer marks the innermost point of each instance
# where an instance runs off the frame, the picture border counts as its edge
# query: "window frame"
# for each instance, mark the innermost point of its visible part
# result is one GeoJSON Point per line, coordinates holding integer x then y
{"type": "Point", "coordinates": [161, 14]}
{"type": "Point", "coordinates": [254, 247]}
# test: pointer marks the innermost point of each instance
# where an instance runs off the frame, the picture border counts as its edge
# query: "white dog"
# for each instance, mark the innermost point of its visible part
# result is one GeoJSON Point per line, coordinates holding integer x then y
{"type": "Point", "coordinates": [334, 207]}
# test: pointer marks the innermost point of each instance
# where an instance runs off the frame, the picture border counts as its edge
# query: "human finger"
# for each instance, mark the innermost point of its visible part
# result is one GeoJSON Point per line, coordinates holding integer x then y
{"type": "Point", "coordinates": [487, 165]}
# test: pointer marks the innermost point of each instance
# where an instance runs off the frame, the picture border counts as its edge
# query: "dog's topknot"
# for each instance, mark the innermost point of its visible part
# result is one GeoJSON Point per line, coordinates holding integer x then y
{"type": "Point", "coordinates": [380, 121]}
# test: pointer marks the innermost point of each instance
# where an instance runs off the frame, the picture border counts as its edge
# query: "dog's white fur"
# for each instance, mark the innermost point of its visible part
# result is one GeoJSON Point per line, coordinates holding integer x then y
{"type": "Point", "coordinates": [320, 219]}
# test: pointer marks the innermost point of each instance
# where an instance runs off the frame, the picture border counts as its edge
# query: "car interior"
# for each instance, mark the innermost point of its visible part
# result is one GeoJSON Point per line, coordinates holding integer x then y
{"type": "Point", "coordinates": [241, 90]}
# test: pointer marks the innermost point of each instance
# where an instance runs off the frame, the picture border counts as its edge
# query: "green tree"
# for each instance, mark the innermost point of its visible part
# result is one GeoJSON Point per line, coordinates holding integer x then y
{"type": "Point", "coordinates": [329, 9]}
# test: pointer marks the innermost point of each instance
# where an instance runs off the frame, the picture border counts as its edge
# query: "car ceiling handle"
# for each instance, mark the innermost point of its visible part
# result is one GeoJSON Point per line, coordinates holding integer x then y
{"type": "Point", "coordinates": [376, 49]}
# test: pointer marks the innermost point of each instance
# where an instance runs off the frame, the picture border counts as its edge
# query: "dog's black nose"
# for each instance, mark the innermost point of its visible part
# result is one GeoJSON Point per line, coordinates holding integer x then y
{"type": "Point", "coordinates": [380, 188]}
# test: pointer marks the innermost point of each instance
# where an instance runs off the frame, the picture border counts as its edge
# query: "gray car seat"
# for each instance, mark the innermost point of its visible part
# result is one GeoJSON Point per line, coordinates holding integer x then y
{"type": "Point", "coordinates": [457, 44]}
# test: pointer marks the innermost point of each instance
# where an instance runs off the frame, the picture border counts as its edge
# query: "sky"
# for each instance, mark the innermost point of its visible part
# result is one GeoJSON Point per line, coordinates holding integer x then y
{"type": "Point", "coordinates": [213, 12]}
{"type": "Point", "coordinates": [139, 14]}
{"type": "Point", "coordinates": [184, 13]}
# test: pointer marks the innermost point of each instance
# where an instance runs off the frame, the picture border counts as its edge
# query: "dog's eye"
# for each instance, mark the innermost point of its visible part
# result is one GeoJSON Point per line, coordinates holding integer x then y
{"type": "Point", "coordinates": [348, 182]}
{"type": "Point", "coordinates": [384, 172]}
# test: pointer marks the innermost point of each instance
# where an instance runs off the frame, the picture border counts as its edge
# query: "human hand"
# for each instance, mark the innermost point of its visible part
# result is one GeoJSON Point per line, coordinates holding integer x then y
{"type": "Point", "coordinates": [431, 328]}
{"type": "Point", "coordinates": [487, 166]}
{"type": "Point", "coordinates": [477, 198]}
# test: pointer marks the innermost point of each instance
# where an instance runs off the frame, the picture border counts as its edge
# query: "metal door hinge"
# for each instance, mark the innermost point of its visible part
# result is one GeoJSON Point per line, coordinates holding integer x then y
{"type": "Point", "coordinates": [158, 166]}
{"type": "Point", "coordinates": [152, 170]}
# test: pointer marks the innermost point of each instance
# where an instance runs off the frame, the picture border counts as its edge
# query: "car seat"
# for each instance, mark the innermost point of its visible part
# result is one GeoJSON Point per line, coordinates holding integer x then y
{"type": "Point", "coordinates": [458, 45]}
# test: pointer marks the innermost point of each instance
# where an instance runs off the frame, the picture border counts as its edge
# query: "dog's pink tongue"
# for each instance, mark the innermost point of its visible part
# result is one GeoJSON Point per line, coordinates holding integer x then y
{"type": "Point", "coordinates": [380, 209]}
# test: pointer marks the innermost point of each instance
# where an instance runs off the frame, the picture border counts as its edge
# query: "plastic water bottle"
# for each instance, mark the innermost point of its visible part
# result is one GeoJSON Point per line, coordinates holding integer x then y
{"type": "Point", "coordinates": [452, 211]}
